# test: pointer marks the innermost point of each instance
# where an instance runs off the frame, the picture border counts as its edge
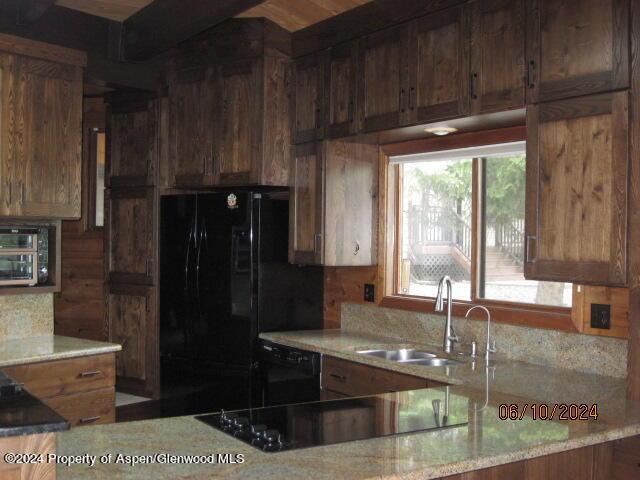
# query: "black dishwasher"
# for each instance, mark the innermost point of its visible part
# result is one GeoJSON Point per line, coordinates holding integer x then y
{"type": "Point", "coordinates": [289, 375]}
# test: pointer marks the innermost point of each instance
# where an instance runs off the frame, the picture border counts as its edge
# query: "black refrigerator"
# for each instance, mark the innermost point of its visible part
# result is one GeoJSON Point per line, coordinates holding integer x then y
{"type": "Point", "coordinates": [224, 279]}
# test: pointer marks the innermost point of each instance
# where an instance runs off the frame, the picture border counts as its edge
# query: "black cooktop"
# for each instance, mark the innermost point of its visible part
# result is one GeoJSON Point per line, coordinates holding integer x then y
{"type": "Point", "coordinates": [290, 427]}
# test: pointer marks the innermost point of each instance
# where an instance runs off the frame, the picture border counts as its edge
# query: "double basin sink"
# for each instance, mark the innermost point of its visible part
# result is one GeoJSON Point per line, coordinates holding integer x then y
{"type": "Point", "coordinates": [410, 356]}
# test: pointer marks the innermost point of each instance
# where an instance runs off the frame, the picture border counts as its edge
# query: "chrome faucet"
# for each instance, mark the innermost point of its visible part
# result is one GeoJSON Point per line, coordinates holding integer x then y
{"type": "Point", "coordinates": [489, 348]}
{"type": "Point", "coordinates": [449, 335]}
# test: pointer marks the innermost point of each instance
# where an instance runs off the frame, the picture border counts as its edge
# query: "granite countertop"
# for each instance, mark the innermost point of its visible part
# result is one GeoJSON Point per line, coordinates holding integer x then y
{"type": "Point", "coordinates": [50, 347]}
{"type": "Point", "coordinates": [486, 441]}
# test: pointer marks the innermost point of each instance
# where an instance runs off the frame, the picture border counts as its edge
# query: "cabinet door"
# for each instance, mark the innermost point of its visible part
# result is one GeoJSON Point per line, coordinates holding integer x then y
{"type": "Point", "coordinates": [382, 87]}
{"type": "Point", "coordinates": [577, 166]}
{"type": "Point", "coordinates": [133, 324]}
{"type": "Point", "coordinates": [497, 55]}
{"type": "Point", "coordinates": [133, 145]}
{"type": "Point", "coordinates": [306, 205]}
{"type": "Point", "coordinates": [576, 48]}
{"type": "Point", "coordinates": [7, 129]}
{"type": "Point", "coordinates": [48, 139]}
{"type": "Point", "coordinates": [192, 127]}
{"type": "Point", "coordinates": [308, 98]}
{"type": "Point", "coordinates": [131, 217]}
{"type": "Point", "coordinates": [439, 66]}
{"type": "Point", "coordinates": [341, 93]}
{"type": "Point", "coordinates": [238, 146]}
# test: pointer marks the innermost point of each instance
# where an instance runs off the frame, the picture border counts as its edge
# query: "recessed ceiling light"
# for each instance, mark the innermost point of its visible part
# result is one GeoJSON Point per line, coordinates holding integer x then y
{"type": "Point", "coordinates": [440, 131]}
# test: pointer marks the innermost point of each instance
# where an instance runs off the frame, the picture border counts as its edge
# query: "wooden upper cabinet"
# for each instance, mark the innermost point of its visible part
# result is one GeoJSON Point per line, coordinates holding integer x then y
{"type": "Point", "coordinates": [576, 48]}
{"type": "Point", "coordinates": [237, 142]}
{"type": "Point", "coordinates": [134, 143]}
{"type": "Point", "coordinates": [341, 90]}
{"type": "Point", "coordinates": [382, 83]}
{"type": "Point", "coordinates": [131, 222]}
{"type": "Point", "coordinates": [497, 80]}
{"type": "Point", "coordinates": [576, 209]}
{"type": "Point", "coordinates": [48, 139]}
{"type": "Point", "coordinates": [308, 99]}
{"type": "Point", "coordinates": [439, 65]}
{"type": "Point", "coordinates": [7, 128]}
{"type": "Point", "coordinates": [191, 119]}
{"type": "Point", "coordinates": [305, 204]}
{"type": "Point", "coordinates": [333, 204]}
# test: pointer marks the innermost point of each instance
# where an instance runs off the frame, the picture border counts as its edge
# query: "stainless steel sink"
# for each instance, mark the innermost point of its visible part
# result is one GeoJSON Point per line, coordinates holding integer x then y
{"type": "Point", "coordinates": [410, 356]}
{"type": "Point", "coordinates": [398, 355]}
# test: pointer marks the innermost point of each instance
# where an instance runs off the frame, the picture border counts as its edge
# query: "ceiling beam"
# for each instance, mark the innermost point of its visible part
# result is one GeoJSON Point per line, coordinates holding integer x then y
{"type": "Point", "coordinates": [29, 11]}
{"type": "Point", "coordinates": [163, 24]}
{"type": "Point", "coordinates": [362, 20]}
{"type": "Point", "coordinates": [89, 33]}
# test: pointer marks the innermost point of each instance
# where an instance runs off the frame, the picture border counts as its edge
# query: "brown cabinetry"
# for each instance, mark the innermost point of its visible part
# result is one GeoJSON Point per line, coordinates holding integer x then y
{"type": "Point", "coordinates": [345, 378]}
{"type": "Point", "coordinates": [576, 211]}
{"type": "Point", "coordinates": [439, 66]}
{"type": "Point", "coordinates": [41, 136]}
{"type": "Point", "coordinates": [576, 48]}
{"type": "Point", "coordinates": [333, 203]}
{"type": "Point", "coordinates": [497, 55]}
{"type": "Point", "coordinates": [383, 86]}
{"type": "Point", "coordinates": [341, 90]}
{"type": "Point", "coordinates": [133, 146]}
{"type": "Point", "coordinates": [79, 389]}
{"type": "Point", "coordinates": [309, 98]}
{"type": "Point", "coordinates": [133, 324]}
{"type": "Point", "coordinates": [192, 102]}
{"type": "Point", "coordinates": [131, 222]}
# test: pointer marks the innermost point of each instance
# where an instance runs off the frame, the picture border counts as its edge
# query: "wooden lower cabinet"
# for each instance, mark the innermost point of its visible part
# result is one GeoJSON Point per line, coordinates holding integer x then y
{"type": "Point", "coordinates": [43, 444]}
{"type": "Point", "coordinates": [82, 390]}
{"type": "Point", "coordinates": [341, 378]}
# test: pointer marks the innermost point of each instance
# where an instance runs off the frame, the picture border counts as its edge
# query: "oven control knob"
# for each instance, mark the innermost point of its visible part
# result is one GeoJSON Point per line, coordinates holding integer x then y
{"type": "Point", "coordinates": [272, 436]}
{"type": "Point", "coordinates": [226, 419]}
{"type": "Point", "coordinates": [240, 423]}
{"type": "Point", "coordinates": [257, 431]}
{"type": "Point", "coordinates": [294, 357]}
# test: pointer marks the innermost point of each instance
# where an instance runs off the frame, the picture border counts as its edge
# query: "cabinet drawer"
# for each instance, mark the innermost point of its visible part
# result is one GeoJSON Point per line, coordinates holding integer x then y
{"type": "Point", "coordinates": [350, 378]}
{"type": "Point", "coordinates": [63, 377]}
{"type": "Point", "coordinates": [86, 408]}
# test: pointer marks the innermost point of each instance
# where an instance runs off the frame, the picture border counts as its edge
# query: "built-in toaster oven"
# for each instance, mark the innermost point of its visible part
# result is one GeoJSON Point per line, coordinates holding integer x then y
{"type": "Point", "coordinates": [18, 256]}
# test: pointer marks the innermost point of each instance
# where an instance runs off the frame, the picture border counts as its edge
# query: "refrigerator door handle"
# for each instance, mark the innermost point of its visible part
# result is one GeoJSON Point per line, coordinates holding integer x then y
{"type": "Point", "coordinates": [190, 237]}
{"type": "Point", "coordinates": [202, 239]}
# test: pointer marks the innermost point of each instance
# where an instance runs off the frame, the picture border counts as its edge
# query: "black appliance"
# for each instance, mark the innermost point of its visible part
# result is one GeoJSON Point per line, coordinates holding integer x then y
{"type": "Point", "coordinates": [225, 278]}
{"type": "Point", "coordinates": [289, 375]}
{"type": "Point", "coordinates": [289, 427]}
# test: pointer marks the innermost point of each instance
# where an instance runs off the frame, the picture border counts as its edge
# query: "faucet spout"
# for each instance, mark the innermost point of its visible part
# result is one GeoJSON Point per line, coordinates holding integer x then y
{"type": "Point", "coordinates": [449, 336]}
{"type": "Point", "coordinates": [489, 347]}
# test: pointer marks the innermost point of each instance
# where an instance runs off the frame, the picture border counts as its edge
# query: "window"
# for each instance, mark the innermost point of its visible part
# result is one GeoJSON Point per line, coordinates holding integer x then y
{"type": "Point", "coordinates": [460, 212]}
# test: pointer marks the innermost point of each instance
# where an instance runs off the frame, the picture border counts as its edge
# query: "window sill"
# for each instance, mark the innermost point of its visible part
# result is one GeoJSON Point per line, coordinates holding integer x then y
{"type": "Point", "coordinates": [554, 318]}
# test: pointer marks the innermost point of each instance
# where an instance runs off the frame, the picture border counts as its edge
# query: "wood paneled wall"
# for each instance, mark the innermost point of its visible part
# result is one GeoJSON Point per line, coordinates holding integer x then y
{"type": "Point", "coordinates": [79, 307]}
{"type": "Point", "coordinates": [345, 284]}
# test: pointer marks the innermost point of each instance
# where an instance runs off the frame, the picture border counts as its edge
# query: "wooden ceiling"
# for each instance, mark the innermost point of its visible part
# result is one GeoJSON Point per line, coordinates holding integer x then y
{"type": "Point", "coordinates": [112, 9]}
{"type": "Point", "coordinates": [292, 15]}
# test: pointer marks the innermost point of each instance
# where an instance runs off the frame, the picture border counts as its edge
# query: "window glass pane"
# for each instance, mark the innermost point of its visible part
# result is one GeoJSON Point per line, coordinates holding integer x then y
{"type": "Point", "coordinates": [100, 159]}
{"type": "Point", "coordinates": [436, 227]}
{"type": "Point", "coordinates": [502, 271]}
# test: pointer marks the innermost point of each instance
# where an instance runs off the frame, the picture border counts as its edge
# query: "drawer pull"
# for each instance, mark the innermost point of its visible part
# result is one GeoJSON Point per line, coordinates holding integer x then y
{"type": "Point", "coordinates": [341, 378]}
{"type": "Point", "coordinates": [92, 373]}
{"type": "Point", "coordinates": [84, 421]}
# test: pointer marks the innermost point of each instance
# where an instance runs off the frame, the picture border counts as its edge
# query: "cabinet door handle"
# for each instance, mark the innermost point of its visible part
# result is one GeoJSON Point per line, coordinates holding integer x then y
{"type": "Point", "coordinates": [340, 378]}
{"type": "Point", "coordinates": [85, 420]}
{"type": "Point", "coordinates": [317, 239]}
{"type": "Point", "coordinates": [356, 248]}
{"type": "Point", "coordinates": [402, 100]}
{"type": "Point", "coordinates": [21, 193]}
{"type": "Point", "coordinates": [91, 373]}
{"type": "Point", "coordinates": [474, 86]}
{"type": "Point", "coordinates": [531, 66]}
{"type": "Point", "coordinates": [529, 245]}
{"type": "Point", "coordinates": [10, 185]}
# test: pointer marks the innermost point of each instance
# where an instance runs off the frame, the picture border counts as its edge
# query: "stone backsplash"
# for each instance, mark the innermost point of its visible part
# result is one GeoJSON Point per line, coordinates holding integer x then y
{"type": "Point", "coordinates": [585, 353]}
{"type": "Point", "coordinates": [23, 316]}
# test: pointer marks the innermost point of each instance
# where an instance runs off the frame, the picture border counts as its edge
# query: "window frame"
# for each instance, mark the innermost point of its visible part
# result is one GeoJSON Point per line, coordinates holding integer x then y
{"type": "Point", "coordinates": [541, 316]}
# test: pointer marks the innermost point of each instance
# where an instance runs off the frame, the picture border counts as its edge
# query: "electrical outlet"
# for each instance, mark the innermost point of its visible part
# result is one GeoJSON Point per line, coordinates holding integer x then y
{"type": "Point", "coordinates": [600, 316]}
{"type": "Point", "coordinates": [369, 292]}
